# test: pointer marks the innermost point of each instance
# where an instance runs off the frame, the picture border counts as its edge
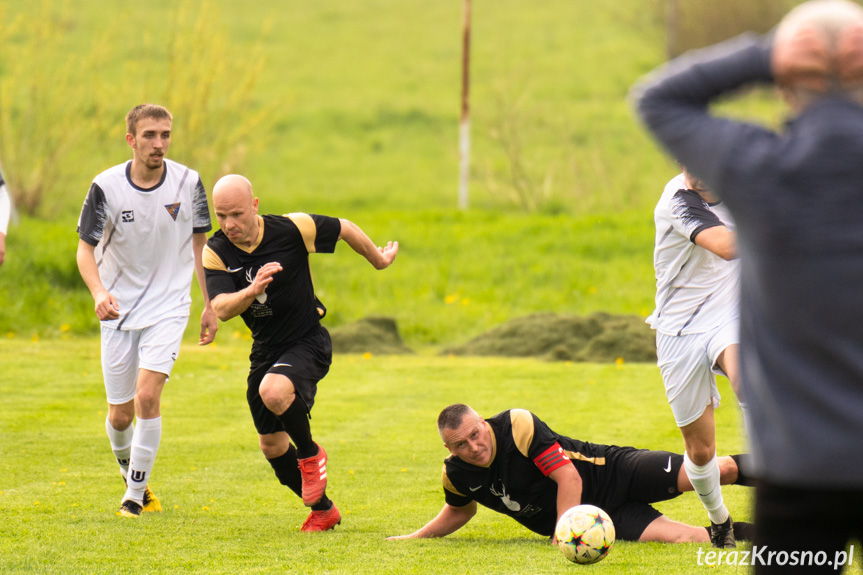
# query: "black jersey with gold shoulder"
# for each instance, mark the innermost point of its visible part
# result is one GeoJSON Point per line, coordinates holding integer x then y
{"type": "Point", "coordinates": [289, 309]}
{"type": "Point", "coordinates": [516, 482]}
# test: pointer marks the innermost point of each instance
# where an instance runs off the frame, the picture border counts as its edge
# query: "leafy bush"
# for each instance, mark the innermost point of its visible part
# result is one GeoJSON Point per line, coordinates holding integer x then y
{"type": "Point", "coordinates": [62, 109]}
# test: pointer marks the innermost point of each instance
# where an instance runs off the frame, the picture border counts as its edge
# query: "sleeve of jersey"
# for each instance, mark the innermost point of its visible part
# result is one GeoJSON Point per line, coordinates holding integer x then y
{"type": "Point", "coordinates": [201, 221]}
{"type": "Point", "coordinates": [452, 496]}
{"type": "Point", "coordinates": [218, 279]}
{"type": "Point", "coordinates": [91, 222]}
{"type": "Point", "coordinates": [544, 450]}
{"type": "Point", "coordinates": [327, 237]}
{"type": "Point", "coordinates": [691, 215]}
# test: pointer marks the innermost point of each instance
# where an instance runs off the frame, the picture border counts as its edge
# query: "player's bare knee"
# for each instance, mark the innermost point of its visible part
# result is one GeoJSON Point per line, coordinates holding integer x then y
{"type": "Point", "coordinates": [277, 394]}
{"type": "Point", "coordinates": [147, 401]}
{"type": "Point", "coordinates": [701, 454]}
{"type": "Point", "coordinates": [727, 470]}
{"type": "Point", "coordinates": [276, 399]}
{"type": "Point", "coordinates": [121, 419]}
{"type": "Point", "coordinates": [276, 402]}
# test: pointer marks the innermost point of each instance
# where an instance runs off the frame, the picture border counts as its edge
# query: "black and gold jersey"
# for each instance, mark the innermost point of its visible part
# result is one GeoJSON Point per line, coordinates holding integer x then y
{"type": "Point", "coordinates": [516, 482]}
{"type": "Point", "coordinates": [289, 308]}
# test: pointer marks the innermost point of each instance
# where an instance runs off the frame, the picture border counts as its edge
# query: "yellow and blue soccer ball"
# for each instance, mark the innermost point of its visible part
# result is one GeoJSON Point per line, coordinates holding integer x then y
{"type": "Point", "coordinates": [585, 534]}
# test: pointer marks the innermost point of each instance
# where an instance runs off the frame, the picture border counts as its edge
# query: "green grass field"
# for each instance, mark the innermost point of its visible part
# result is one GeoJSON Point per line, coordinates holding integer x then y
{"type": "Point", "coordinates": [347, 109]}
{"type": "Point", "coordinates": [226, 513]}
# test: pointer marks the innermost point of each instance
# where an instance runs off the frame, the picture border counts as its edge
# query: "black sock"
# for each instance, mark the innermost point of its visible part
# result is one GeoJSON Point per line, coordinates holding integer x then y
{"type": "Point", "coordinates": [287, 471]}
{"type": "Point", "coordinates": [295, 419]}
{"type": "Point", "coordinates": [743, 460]}
{"type": "Point", "coordinates": [323, 505]}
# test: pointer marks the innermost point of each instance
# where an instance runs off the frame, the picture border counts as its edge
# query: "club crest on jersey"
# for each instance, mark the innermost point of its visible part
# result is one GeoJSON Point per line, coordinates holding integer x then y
{"type": "Point", "coordinates": [173, 209]}
{"type": "Point", "coordinates": [127, 216]}
{"type": "Point", "coordinates": [262, 298]}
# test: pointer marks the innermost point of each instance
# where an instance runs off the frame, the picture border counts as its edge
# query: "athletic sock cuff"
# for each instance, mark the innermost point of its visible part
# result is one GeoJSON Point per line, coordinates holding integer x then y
{"type": "Point", "coordinates": [154, 423]}
{"type": "Point", "coordinates": [693, 469]}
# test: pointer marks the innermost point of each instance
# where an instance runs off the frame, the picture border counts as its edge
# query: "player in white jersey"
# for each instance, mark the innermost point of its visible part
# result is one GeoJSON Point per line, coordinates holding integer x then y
{"type": "Point", "coordinates": [696, 323]}
{"type": "Point", "coordinates": [5, 211]}
{"type": "Point", "coordinates": [142, 230]}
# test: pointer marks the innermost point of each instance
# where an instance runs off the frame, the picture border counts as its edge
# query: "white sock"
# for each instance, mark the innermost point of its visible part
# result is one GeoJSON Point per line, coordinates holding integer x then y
{"type": "Point", "coordinates": [145, 444]}
{"type": "Point", "coordinates": [121, 444]}
{"type": "Point", "coordinates": [705, 480]}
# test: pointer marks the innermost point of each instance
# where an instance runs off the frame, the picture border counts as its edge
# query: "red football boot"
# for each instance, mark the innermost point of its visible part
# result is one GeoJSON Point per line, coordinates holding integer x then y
{"type": "Point", "coordinates": [322, 520]}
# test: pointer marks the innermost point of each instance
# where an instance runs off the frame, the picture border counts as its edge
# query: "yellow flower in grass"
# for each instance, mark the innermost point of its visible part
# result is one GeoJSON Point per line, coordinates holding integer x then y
{"type": "Point", "coordinates": [451, 298]}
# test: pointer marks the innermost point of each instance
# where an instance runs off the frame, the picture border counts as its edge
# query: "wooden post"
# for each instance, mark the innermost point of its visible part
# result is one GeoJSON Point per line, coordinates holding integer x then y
{"type": "Point", "coordinates": [464, 125]}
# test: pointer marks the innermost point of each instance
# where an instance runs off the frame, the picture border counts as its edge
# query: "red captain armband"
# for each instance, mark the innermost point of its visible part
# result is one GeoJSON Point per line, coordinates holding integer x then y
{"type": "Point", "coordinates": [551, 459]}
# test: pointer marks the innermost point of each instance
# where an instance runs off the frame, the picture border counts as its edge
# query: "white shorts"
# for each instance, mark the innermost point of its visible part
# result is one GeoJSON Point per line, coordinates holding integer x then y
{"type": "Point", "coordinates": [688, 367]}
{"type": "Point", "coordinates": [125, 352]}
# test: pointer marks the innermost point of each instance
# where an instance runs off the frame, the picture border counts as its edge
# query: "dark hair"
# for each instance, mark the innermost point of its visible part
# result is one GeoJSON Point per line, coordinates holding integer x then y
{"type": "Point", "coordinates": [142, 111]}
{"type": "Point", "coordinates": [452, 416]}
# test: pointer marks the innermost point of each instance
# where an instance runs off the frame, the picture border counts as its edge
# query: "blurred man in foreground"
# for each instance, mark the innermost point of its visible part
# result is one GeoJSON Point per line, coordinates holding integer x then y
{"type": "Point", "coordinates": [797, 200]}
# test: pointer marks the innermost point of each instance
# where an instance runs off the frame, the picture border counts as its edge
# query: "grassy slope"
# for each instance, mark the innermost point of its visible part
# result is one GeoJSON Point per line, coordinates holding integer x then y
{"type": "Point", "coordinates": [366, 129]}
{"type": "Point", "coordinates": [225, 513]}
{"type": "Point", "coordinates": [457, 274]}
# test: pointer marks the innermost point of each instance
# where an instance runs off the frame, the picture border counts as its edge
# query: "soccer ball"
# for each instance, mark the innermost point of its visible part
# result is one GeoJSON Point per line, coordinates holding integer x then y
{"type": "Point", "coordinates": [585, 534]}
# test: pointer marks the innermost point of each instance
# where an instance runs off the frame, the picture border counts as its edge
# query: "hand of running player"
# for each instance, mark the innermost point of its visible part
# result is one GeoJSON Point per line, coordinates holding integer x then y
{"type": "Point", "coordinates": [209, 326]}
{"type": "Point", "coordinates": [107, 307]}
{"type": "Point", "coordinates": [389, 253]}
{"type": "Point", "coordinates": [263, 278]}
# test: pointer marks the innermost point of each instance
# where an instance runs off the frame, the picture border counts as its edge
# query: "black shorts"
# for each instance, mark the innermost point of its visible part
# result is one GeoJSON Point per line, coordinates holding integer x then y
{"type": "Point", "coordinates": [633, 479]}
{"type": "Point", "coordinates": [305, 363]}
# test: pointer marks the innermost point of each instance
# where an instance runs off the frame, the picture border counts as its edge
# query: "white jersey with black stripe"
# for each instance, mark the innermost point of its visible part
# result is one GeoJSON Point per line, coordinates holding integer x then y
{"type": "Point", "coordinates": [143, 241]}
{"type": "Point", "coordinates": [696, 290]}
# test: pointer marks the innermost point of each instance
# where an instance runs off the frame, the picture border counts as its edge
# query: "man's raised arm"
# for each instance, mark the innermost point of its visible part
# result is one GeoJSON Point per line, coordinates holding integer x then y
{"type": "Point", "coordinates": [355, 237]}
